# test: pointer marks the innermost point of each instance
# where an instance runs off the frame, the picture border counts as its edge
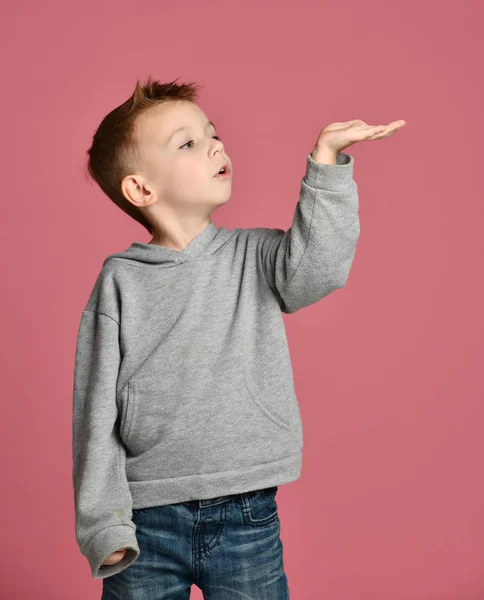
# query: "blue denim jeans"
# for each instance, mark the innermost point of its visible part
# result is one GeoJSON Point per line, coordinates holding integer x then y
{"type": "Point", "coordinates": [229, 546]}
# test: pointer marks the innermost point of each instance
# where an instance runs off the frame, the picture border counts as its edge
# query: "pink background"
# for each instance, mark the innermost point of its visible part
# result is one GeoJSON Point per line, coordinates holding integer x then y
{"type": "Point", "coordinates": [388, 370]}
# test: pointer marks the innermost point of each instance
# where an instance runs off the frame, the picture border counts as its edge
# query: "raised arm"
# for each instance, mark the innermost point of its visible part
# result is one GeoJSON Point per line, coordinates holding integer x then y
{"type": "Point", "coordinates": [314, 256]}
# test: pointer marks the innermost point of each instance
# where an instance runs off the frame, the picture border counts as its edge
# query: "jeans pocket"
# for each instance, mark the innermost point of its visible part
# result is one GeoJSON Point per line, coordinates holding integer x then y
{"type": "Point", "coordinates": [261, 507]}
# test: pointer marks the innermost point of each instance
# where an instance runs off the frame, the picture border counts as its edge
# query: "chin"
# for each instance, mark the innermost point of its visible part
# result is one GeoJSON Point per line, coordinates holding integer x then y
{"type": "Point", "coordinates": [222, 201]}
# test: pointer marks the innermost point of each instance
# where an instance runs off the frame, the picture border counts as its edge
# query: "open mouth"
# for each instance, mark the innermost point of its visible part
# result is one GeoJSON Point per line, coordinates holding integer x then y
{"type": "Point", "coordinates": [224, 172]}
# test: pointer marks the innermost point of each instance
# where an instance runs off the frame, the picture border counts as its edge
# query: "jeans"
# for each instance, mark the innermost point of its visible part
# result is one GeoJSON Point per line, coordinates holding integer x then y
{"type": "Point", "coordinates": [229, 546]}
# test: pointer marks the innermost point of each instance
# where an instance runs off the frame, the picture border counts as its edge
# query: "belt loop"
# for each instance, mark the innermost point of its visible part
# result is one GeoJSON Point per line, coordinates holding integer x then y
{"type": "Point", "coordinates": [244, 499]}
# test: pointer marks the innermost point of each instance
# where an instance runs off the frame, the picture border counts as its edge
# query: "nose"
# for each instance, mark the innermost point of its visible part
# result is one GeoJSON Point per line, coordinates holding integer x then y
{"type": "Point", "coordinates": [217, 145]}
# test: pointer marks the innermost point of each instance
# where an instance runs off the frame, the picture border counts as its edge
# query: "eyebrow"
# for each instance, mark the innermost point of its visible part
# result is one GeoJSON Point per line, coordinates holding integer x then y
{"type": "Point", "coordinates": [207, 124]}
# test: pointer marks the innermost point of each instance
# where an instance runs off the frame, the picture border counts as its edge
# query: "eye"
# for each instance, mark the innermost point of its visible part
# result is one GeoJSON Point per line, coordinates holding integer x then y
{"type": "Point", "coordinates": [191, 141]}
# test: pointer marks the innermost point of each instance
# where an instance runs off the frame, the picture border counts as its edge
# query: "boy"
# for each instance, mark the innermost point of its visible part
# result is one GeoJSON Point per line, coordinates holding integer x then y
{"type": "Point", "coordinates": [185, 418]}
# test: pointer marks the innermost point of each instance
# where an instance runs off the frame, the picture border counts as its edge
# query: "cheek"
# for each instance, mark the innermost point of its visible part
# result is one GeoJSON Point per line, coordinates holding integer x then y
{"type": "Point", "coordinates": [183, 174]}
{"type": "Point", "coordinates": [194, 173]}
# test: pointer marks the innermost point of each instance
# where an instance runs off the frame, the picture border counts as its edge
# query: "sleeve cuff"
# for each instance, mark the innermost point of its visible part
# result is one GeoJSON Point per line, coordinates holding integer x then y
{"type": "Point", "coordinates": [332, 178]}
{"type": "Point", "coordinates": [107, 541]}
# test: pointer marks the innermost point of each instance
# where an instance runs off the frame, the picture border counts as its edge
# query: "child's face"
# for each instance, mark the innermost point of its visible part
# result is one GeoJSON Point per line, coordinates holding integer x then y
{"type": "Point", "coordinates": [179, 168]}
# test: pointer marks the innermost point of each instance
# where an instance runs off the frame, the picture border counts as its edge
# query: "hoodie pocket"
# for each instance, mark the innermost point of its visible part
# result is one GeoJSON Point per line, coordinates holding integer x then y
{"type": "Point", "coordinates": [259, 400]}
{"type": "Point", "coordinates": [201, 416]}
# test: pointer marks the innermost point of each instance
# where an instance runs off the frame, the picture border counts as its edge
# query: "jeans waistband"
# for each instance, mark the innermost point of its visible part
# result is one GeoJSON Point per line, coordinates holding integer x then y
{"type": "Point", "coordinates": [219, 499]}
{"type": "Point", "coordinates": [212, 501]}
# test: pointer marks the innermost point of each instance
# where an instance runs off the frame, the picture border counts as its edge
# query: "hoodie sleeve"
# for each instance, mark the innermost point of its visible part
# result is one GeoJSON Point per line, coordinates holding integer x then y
{"type": "Point", "coordinates": [103, 503]}
{"type": "Point", "coordinates": [314, 257]}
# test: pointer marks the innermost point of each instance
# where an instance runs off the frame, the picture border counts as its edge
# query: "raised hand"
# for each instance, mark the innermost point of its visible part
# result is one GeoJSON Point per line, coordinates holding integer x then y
{"type": "Point", "coordinates": [337, 136]}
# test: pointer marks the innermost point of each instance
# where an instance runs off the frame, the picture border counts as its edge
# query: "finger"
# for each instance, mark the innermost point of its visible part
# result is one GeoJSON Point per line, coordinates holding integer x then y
{"type": "Point", "coordinates": [377, 129]}
{"type": "Point", "coordinates": [374, 131]}
{"type": "Point", "coordinates": [381, 135]}
{"type": "Point", "coordinates": [378, 132]}
{"type": "Point", "coordinates": [354, 122]}
{"type": "Point", "coordinates": [394, 125]}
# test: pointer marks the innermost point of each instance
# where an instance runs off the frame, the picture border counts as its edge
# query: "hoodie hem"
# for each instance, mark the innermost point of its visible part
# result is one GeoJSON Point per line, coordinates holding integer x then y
{"type": "Point", "coordinates": [201, 486]}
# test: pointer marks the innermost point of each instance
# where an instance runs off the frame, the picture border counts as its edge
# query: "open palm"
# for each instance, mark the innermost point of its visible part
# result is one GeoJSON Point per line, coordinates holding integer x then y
{"type": "Point", "coordinates": [338, 136]}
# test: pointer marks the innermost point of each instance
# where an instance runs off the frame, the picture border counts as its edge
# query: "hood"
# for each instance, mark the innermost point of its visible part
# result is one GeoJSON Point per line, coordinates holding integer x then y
{"type": "Point", "coordinates": [206, 241]}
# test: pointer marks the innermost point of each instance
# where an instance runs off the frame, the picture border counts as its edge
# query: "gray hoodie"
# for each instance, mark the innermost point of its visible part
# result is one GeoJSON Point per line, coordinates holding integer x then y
{"type": "Point", "coordinates": [183, 384]}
